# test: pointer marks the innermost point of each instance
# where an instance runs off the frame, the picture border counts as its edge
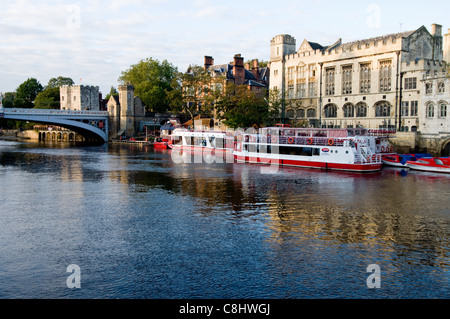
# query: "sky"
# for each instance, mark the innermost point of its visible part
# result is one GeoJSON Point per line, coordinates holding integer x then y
{"type": "Point", "coordinates": [94, 41]}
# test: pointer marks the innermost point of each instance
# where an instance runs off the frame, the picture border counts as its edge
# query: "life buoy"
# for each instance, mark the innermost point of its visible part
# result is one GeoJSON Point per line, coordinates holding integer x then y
{"type": "Point", "coordinates": [290, 140]}
{"type": "Point", "coordinates": [252, 139]}
{"type": "Point", "coordinates": [274, 139]}
{"type": "Point", "coordinates": [330, 142]}
{"type": "Point", "coordinates": [382, 149]}
{"type": "Point", "coordinates": [310, 141]}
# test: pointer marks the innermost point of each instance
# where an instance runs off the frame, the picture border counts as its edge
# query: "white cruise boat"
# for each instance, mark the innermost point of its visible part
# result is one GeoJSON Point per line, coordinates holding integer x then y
{"type": "Point", "coordinates": [200, 140]}
{"type": "Point", "coordinates": [357, 150]}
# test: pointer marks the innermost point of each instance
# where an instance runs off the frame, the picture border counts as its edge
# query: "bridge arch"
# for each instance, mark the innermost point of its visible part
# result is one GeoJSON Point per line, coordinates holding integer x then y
{"type": "Point", "coordinates": [92, 125]}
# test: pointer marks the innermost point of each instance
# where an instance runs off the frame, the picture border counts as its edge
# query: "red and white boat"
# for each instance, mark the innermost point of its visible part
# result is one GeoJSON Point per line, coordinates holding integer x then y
{"type": "Point", "coordinates": [354, 150]}
{"type": "Point", "coordinates": [217, 141]}
{"type": "Point", "coordinates": [433, 164]}
{"type": "Point", "coordinates": [400, 160]}
{"type": "Point", "coordinates": [160, 142]}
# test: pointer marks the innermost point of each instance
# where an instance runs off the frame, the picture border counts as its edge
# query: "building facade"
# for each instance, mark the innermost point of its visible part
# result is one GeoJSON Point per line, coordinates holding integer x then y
{"type": "Point", "coordinates": [79, 97]}
{"type": "Point", "coordinates": [383, 82]}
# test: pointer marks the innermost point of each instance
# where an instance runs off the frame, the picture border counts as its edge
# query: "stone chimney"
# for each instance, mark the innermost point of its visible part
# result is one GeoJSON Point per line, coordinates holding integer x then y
{"type": "Point", "coordinates": [447, 47]}
{"type": "Point", "coordinates": [436, 30]}
{"type": "Point", "coordinates": [238, 70]}
{"type": "Point", "coordinates": [209, 61]}
{"type": "Point", "coordinates": [255, 69]}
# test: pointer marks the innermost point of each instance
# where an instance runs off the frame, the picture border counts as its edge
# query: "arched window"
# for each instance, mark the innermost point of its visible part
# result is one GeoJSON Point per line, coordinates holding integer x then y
{"type": "Point", "coordinates": [430, 110]}
{"type": "Point", "coordinates": [290, 114]}
{"type": "Point", "coordinates": [311, 113]}
{"type": "Point", "coordinates": [330, 111]}
{"type": "Point", "coordinates": [349, 110]}
{"type": "Point", "coordinates": [301, 113]}
{"type": "Point", "coordinates": [361, 109]}
{"type": "Point", "coordinates": [382, 109]}
{"type": "Point", "coordinates": [443, 110]}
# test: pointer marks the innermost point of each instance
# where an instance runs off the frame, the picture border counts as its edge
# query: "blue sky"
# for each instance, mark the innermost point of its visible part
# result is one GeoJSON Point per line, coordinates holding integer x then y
{"type": "Point", "coordinates": [93, 41]}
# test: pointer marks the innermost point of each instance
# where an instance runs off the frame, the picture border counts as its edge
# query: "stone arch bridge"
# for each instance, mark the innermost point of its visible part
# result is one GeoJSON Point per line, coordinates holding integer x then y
{"type": "Point", "coordinates": [92, 125]}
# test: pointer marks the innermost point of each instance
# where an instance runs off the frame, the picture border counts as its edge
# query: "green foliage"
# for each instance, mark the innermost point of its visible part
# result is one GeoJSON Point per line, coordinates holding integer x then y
{"type": "Point", "coordinates": [48, 99]}
{"type": "Point", "coordinates": [8, 99]}
{"type": "Point", "coordinates": [191, 92]}
{"type": "Point", "coordinates": [241, 108]}
{"type": "Point", "coordinates": [59, 81]}
{"type": "Point", "coordinates": [26, 93]}
{"type": "Point", "coordinates": [152, 81]}
{"type": "Point", "coordinates": [112, 92]}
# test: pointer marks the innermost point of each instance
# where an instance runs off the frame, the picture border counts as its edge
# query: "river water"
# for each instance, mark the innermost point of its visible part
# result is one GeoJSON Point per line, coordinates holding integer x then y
{"type": "Point", "coordinates": [139, 225]}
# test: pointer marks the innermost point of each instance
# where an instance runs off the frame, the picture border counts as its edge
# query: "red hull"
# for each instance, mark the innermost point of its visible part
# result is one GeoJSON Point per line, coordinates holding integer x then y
{"type": "Point", "coordinates": [308, 164]}
{"type": "Point", "coordinates": [160, 145]}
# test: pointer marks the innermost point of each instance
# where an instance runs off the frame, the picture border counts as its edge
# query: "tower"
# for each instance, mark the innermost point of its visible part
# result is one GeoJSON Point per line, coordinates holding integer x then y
{"type": "Point", "coordinates": [126, 102]}
{"type": "Point", "coordinates": [280, 46]}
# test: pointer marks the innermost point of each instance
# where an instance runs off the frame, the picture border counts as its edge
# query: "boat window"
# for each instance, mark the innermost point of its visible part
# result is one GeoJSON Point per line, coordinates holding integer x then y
{"type": "Point", "coordinates": [438, 161]}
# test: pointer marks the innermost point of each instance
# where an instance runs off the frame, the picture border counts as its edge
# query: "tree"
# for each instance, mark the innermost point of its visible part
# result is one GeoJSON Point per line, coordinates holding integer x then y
{"type": "Point", "coordinates": [191, 92]}
{"type": "Point", "coordinates": [240, 107]}
{"type": "Point", "coordinates": [26, 93]}
{"type": "Point", "coordinates": [59, 81]}
{"type": "Point", "coordinates": [48, 99]}
{"type": "Point", "coordinates": [8, 99]}
{"type": "Point", "coordinates": [112, 92]}
{"type": "Point", "coordinates": [152, 81]}
{"type": "Point", "coordinates": [276, 101]}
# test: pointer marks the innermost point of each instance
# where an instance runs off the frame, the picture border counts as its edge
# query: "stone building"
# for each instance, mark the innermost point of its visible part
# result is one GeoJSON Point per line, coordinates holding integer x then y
{"type": "Point", "coordinates": [125, 112]}
{"type": "Point", "coordinates": [240, 73]}
{"type": "Point", "coordinates": [373, 83]}
{"type": "Point", "coordinates": [80, 97]}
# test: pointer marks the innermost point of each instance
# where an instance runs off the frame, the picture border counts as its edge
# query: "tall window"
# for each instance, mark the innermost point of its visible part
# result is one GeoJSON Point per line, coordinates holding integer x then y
{"type": "Point", "coordinates": [301, 74]}
{"type": "Point", "coordinates": [349, 110]}
{"type": "Point", "coordinates": [414, 108]}
{"type": "Point", "coordinates": [443, 109]}
{"type": "Point", "coordinates": [364, 78]}
{"type": "Point", "coordinates": [441, 87]}
{"type": "Point", "coordinates": [385, 76]}
{"type": "Point", "coordinates": [410, 83]}
{"type": "Point", "coordinates": [329, 81]}
{"type": "Point", "coordinates": [291, 91]}
{"type": "Point", "coordinates": [312, 70]}
{"type": "Point", "coordinates": [301, 90]}
{"type": "Point", "coordinates": [330, 111]}
{"type": "Point", "coordinates": [312, 89]}
{"type": "Point", "coordinates": [347, 80]}
{"type": "Point", "coordinates": [291, 73]}
{"type": "Point", "coordinates": [361, 109]}
{"type": "Point", "coordinates": [430, 110]}
{"type": "Point", "coordinates": [405, 108]}
{"type": "Point", "coordinates": [428, 88]}
{"type": "Point", "coordinates": [382, 109]}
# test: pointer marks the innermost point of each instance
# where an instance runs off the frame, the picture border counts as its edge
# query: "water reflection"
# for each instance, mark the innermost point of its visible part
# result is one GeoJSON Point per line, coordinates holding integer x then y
{"type": "Point", "coordinates": [296, 233]}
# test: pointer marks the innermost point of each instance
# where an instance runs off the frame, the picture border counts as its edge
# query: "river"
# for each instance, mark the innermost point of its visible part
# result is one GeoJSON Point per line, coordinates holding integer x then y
{"type": "Point", "coordinates": [138, 225]}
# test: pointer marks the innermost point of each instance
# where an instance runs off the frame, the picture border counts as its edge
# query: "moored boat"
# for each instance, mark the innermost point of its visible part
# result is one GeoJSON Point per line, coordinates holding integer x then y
{"type": "Point", "coordinates": [334, 149]}
{"type": "Point", "coordinates": [400, 160]}
{"type": "Point", "coordinates": [161, 143]}
{"type": "Point", "coordinates": [202, 140]}
{"type": "Point", "coordinates": [431, 164]}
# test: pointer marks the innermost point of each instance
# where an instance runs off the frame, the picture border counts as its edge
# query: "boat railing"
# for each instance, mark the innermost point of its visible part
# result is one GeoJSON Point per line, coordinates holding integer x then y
{"type": "Point", "coordinates": [293, 140]}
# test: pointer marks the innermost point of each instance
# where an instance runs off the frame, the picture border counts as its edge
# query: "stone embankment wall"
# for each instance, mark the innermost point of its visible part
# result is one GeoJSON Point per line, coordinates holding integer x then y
{"type": "Point", "coordinates": [409, 142]}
